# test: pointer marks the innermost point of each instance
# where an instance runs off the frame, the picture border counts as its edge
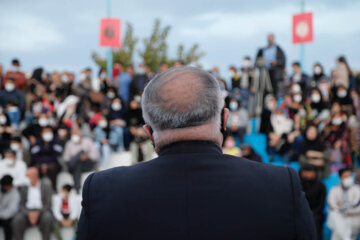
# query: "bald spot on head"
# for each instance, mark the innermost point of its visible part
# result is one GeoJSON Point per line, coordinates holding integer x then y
{"type": "Point", "coordinates": [181, 91]}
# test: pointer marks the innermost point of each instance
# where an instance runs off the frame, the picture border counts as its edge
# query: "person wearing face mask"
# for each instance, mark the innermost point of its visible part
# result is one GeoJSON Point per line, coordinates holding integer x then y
{"type": "Point", "coordinates": [318, 110]}
{"type": "Point", "coordinates": [45, 153]}
{"type": "Point", "coordinates": [318, 75]}
{"type": "Point", "coordinates": [299, 77]}
{"type": "Point", "coordinates": [16, 74]}
{"type": "Point", "coordinates": [281, 127]}
{"type": "Point", "coordinates": [13, 167]}
{"type": "Point", "coordinates": [11, 94]}
{"type": "Point", "coordinates": [118, 128]}
{"type": "Point", "coordinates": [110, 95]}
{"type": "Point", "coordinates": [80, 155]}
{"type": "Point", "coordinates": [33, 130]}
{"type": "Point", "coordinates": [344, 209]}
{"type": "Point", "coordinates": [238, 119]}
{"type": "Point", "coordinates": [9, 204]}
{"type": "Point", "coordinates": [336, 136]}
{"type": "Point", "coordinates": [102, 133]}
{"type": "Point", "coordinates": [315, 193]}
{"type": "Point", "coordinates": [275, 62]}
{"type": "Point", "coordinates": [139, 81]}
{"type": "Point", "coordinates": [247, 75]}
{"type": "Point", "coordinates": [343, 97]}
{"type": "Point", "coordinates": [22, 153]}
{"type": "Point", "coordinates": [65, 209]}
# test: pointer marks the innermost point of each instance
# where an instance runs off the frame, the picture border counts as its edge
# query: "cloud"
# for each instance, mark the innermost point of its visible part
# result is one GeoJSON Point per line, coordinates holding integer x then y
{"type": "Point", "coordinates": [278, 20]}
{"type": "Point", "coordinates": [28, 33]}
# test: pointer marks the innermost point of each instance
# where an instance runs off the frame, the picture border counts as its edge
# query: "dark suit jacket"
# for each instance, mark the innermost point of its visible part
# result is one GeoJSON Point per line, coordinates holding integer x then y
{"type": "Point", "coordinates": [193, 191]}
{"type": "Point", "coordinates": [280, 59]}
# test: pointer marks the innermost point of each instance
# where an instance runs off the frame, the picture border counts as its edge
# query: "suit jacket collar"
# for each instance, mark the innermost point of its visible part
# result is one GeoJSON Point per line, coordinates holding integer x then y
{"type": "Point", "coordinates": [190, 147]}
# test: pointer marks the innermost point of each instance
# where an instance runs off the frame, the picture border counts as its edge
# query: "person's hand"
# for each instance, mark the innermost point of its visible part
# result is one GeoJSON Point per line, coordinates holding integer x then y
{"type": "Point", "coordinates": [339, 204]}
{"type": "Point", "coordinates": [9, 130]}
{"type": "Point", "coordinates": [32, 140]}
{"type": "Point", "coordinates": [274, 63]}
{"type": "Point", "coordinates": [1, 129]}
{"type": "Point", "coordinates": [83, 157]}
{"type": "Point", "coordinates": [104, 141]}
{"type": "Point", "coordinates": [33, 216]}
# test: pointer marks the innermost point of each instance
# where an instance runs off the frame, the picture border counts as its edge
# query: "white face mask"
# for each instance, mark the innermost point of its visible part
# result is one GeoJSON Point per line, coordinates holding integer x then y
{"type": "Point", "coordinates": [337, 121]}
{"type": "Point", "coordinates": [137, 99]}
{"type": "Point", "coordinates": [13, 109]}
{"type": "Point", "coordinates": [270, 105]}
{"type": "Point", "coordinates": [15, 147]}
{"type": "Point", "coordinates": [246, 63]}
{"type": "Point", "coordinates": [9, 87]}
{"type": "Point", "coordinates": [231, 73]}
{"type": "Point", "coordinates": [315, 98]}
{"type": "Point", "coordinates": [347, 182]}
{"type": "Point", "coordinates": [297, 78]}
{"type": "Point", "coordinates": [82, 76]}
{"type": "Point", "coordinates": [75, 138]}
{"type": "Point", "coordinates": [317, 70]}
{"type": "Point", "coordinates": [341, 93]}
{"type": "Point", "coordinates": [279, 117]}
{"type": "Point", "coordinates": [16, 69]}
{"type": "Point", "coordinates": [116, 106]}
{"type": "Point", "coordinates": [102, 123]}
{"type": "Point", "coordinates": [103, 75]}
{"type": "Point", "coordinates": [297, 98]}
{"type": "Point", "coordinates": [296, 88]}
{"type": "Point", "coordinates": [43, 122]}
{"type": "Point", "coordinates": [64, 78]}
{"type": "Point", "coordinates": [141, 71]}
{"type": "Point", "coordinates": [2, 120]}
{"type": "Point", "coordinates": [48, 136]}
{"type": "Point", "coordinates": [110, 95]}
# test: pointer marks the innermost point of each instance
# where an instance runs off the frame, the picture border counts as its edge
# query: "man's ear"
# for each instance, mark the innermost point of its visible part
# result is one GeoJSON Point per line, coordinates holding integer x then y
{"type": "Point", "coordinates": [149, 132]}
{"type": "Point", "coordinates": [225, 117]}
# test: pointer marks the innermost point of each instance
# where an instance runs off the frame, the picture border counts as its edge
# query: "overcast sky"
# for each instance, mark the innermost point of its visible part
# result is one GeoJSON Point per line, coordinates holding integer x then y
{"type": "Point", "coordinates": [60, 35]}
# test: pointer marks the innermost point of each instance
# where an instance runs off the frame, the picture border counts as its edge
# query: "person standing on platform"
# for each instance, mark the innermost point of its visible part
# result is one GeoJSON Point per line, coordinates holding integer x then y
{"type": "Point", "coordinates": [275, 62]}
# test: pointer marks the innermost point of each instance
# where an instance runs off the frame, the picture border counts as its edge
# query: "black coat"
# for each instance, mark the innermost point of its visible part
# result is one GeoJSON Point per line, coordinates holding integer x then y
{"type": "Point", "coordinates": [280, 59]}
{"type": "Point", "coordinates": [193, 191]}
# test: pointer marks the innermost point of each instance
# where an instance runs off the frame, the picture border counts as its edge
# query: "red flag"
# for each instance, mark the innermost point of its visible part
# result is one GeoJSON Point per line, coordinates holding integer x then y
{"type": "Point", "coordinates": [302, 28]}
{"type": "Point", "coordinates": [110, 32]}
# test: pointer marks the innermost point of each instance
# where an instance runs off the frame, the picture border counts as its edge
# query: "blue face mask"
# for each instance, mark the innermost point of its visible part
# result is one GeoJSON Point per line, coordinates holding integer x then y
{"type": "Point", "coordinates": [141, 71]}
{"type": "Point", "coordinates": [233, 106]}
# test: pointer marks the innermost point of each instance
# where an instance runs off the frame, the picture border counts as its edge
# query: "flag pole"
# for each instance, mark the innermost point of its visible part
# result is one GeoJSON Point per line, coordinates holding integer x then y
{"type": "Point", "coordinates": [109, 62]}
{"type": "Point", "coordinates": [302, 45]}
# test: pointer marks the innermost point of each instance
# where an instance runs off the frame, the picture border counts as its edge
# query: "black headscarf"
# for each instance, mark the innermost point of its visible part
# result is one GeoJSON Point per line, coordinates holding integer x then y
{"type": "Point", "coordinates": [314, 145]}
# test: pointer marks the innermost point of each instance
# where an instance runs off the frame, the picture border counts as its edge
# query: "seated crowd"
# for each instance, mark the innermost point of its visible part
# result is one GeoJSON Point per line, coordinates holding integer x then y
{"type": "Point", "coordinates": [54, 122]}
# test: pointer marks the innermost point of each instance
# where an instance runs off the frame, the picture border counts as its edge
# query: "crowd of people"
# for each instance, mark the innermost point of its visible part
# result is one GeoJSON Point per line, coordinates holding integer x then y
{"type": "Point", "coordinates": [52, 122]}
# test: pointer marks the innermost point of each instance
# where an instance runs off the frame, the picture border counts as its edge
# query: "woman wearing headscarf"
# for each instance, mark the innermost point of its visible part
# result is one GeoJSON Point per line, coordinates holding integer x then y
{"type": "Point", "coordinates": [313, 151]}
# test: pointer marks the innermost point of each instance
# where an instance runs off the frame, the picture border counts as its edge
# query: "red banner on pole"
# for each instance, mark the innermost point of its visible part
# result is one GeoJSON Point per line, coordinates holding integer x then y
{"type": "Point", "coordinates": [110, 32]}
{"type": "Point", "coordinates": [302, 28]}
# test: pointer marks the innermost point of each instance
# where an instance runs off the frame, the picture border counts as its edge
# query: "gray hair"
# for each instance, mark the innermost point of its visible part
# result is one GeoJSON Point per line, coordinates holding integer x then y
{"type": "Point", "coordinates": [200, 101]}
